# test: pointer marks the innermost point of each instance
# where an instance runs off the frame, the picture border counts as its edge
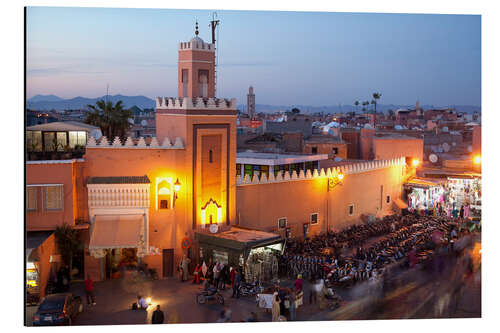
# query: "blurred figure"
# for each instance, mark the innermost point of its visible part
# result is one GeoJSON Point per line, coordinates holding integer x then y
{"type": "Point", "coordinates": [89, 290]}
{"type": "Point", "coordinates": [276, 307]}
{"type": "Point", "coordinates": [298, 283]}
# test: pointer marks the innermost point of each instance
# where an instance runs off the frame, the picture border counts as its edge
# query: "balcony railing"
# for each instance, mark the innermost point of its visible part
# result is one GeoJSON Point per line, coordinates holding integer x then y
{"type": "Point", "coordinates": [57, 155]}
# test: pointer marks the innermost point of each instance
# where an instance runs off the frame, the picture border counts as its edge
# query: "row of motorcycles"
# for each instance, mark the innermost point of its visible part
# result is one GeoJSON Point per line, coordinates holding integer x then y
{"type": "Point", "coordinates": [210, 293]}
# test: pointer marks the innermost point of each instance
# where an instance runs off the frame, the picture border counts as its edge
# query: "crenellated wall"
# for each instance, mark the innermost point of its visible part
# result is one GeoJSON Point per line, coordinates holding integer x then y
{"type": "Point", "coordinates": [348, 169]}
{"type": "Point", "coordinates": [370, 187]}
{"type": "Point", "coordinates": [140, 144]}
{"type": "Point", "coordinates": [195, 103]}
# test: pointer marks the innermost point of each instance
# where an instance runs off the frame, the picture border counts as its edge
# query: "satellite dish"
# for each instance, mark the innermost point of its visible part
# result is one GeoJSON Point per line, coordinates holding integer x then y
{"type": "Point", "coordinates": [469, 149]}
{"type": "Point", "coordinates": [337, 159]}
{"type": "Point", "coordinates": [446, 147]}
{"type": "Point", "coordinates": [453, 143]}
{"type": "Point", "coordinates": [433, 158]}
{"type": "Point", "coordinates": [144, 122]}
{"type": "Point", "coordinates": [213, 228]}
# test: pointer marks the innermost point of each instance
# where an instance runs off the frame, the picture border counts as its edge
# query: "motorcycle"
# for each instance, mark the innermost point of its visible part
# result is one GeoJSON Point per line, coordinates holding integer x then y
{"type": "Point", "coordinates": [250, 289]}
{"type": "Point", "coordinates": [210, 294]}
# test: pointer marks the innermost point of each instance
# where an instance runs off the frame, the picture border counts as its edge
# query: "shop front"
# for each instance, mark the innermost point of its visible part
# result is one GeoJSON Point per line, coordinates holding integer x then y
{"type": "Point", "coordinates": [466, 192]}
{"type": "Point", "coordinates": [118, 242]}
{"type": "Point", "coordinates": [423, 194]}
{"type": "Point", "coordinates": [40, 263]}
{"type": "Point", "coordinates": [253, 251]}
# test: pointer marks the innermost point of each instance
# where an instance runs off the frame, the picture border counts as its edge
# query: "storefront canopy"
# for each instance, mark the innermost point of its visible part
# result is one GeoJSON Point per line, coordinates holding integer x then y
{"type": "Point", "coordinates": [239, 239]}
{"type": "Point", "coordinates": [116, 231]}
{"type": "Point", "coordinates": [33, 240]}
{"type": "Point", "coordinates": [422, 183]}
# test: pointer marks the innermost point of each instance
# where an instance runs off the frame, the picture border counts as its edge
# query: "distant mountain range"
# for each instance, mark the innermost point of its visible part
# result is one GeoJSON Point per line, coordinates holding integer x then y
{"type": "Point", "coordinates": [50, 102]}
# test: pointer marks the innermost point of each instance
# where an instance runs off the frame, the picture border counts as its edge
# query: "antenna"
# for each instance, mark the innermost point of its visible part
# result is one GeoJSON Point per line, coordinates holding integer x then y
{"type": "Point", "coordinates": [213, 24]}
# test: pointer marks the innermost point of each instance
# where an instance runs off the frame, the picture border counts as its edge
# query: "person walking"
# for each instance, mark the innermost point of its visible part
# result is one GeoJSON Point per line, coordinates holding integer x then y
{"type": "Point", "coordinates": [236, 284]}
{"type": "Point", "coordinates": [275, 307]}
{"type": "Point", "coordinates": [216, 271]}
{"type": "Point", "coordinates": [89, 290]}
{"type": "Point", "coordinates": [185, 268]}
{"type": "Point", "coordinates": [158, 316]}
{"type": "Point", "coordinates": [292, 307]}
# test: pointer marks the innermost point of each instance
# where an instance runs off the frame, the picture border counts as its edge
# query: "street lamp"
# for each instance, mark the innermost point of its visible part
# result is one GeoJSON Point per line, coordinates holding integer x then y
{"type": "Point", "coordinates": [476, 159]}
{"type": "Point", "coordinates": [177, 188]}
{"type": "Point", "coordinates": [415, 162]}
{"type": "Point", "coordinates": [332, 182]}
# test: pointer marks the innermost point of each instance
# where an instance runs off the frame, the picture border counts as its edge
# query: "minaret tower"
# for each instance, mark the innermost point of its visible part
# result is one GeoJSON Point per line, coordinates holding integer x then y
{"type": "Point", "coordinates": [196, 68]}
{"type": "Point", "coordinates": [251, 103]}
{"type": "Point", "coordinates": [207, 127]}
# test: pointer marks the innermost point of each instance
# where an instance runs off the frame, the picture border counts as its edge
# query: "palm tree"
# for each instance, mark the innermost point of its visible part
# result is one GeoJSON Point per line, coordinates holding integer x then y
{"type": "Point", "coordinates": [356, 103]}
{"type": "Point", "coordinates": [113, 120]}
{"type": "Point", "coordinates": [68, 243]}
{"type": "Point", "coordinates": [365, 103]}
{"type": "Point", "coordinates": [376, 96]}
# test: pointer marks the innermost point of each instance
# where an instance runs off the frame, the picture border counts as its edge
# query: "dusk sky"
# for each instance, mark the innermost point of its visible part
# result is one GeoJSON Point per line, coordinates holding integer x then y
{"type": "Point", "coordinates": [289, 57]}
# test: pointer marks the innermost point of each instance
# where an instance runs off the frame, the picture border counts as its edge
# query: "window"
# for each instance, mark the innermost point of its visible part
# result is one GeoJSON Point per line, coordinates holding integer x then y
{"type": "Point", "coordinates": [61, 140]}
{"type": "Point", "coordinates": [288, 233]}
{"type": "Point", "coordinates": [314, 218]}
{"type": "Point", "coordinates": [351, 209]}
{"type": "Point", "coordinates": [31, 198]}
{"type": "Point", "coordinates": [77, 138]}
{"type": "Point", "coordinates": [282, 222]}
{"type": "Point", "coordinates": [238, 169]}
{"type": "Point", "coordinates": [203, 82]}
{"type": "Point", "coordinates": [335, 150]}
{"type": "Point", "coordinates": [248, 170]}
{"type": "Point", "coordinates": [164, 204]}
{"type": "Point", "coordinates": [34, 140]}
{"type": "Point", "coordinates": [210, 156]}
{"type": "Point", "coordinates": [49, 141]}
{"type": "Point", "coordinates": [53, 197]}
{"type": "Point", "coordinates": [164, 195]}
{"type": "Point", "coordinates": [185, 79]}
{"type": "Point", "coordinates": [314, 150]}
{"type": "Point", "coordinates": [388, 199]}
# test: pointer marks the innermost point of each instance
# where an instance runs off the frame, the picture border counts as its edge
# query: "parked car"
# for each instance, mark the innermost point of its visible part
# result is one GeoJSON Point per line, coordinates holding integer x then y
{"type": "Point", "coordinates": [58, 309]}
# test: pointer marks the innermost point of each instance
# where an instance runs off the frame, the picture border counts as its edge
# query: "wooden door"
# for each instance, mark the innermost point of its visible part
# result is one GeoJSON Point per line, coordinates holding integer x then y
{"type": "Point", "coordinates": [168, 262]}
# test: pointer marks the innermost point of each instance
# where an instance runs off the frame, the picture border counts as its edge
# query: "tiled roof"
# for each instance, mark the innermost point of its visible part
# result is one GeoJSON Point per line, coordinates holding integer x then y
{"type": "Point", "coordinates": [120, 180]}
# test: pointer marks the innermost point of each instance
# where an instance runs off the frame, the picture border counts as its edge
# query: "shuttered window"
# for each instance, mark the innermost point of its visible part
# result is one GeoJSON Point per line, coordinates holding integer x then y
{"type": "Point", "coordinates": [53, 197]}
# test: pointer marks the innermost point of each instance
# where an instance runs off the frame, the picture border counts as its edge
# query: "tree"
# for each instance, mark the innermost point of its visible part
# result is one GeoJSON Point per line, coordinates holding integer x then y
{"type": "Point", "coordinates": [391, 113]}
{"type": "Point", "coordinates": [113, 120]}
{"type": "Point", "coordinates": [68, 243]}
{"type": "Point", "coordinates": [295, 111]}
{"type": "Point", "coordinates": [365, 104]}
{"type": "Point", "coordinates": [376, 96]}
{"type": "Point", "coordinates": [356, 103]}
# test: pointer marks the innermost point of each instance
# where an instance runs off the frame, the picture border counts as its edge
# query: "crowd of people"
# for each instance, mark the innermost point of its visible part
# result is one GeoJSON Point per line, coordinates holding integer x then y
{"type": "Point", "coordinates": [361, 252]}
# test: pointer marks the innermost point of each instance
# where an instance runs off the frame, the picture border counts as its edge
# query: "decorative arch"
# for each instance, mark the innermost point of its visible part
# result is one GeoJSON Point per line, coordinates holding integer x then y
{"type": "Point", "coordinates": [211, 212]}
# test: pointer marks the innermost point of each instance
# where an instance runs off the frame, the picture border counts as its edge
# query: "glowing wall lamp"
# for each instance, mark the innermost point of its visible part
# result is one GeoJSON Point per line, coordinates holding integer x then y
{"type": "Point", "coordinates": [415, 162]}
{"type": "Point", "coordinates": [335, 180]}
{"type": "Point", "coordinates": [177, 188]}
{"type": "Point", "coordinates": [476, 159]}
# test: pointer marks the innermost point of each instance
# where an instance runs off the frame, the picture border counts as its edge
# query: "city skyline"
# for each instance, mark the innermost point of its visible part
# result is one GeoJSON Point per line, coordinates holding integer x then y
{"type": "Point", "coordinates": [435, 59]}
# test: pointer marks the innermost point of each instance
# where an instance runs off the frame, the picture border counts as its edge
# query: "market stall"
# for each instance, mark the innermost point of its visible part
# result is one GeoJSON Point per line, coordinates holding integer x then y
{"type": "Point", "coordinates": [465, 191]}
{"type": "Point", "coordinates": [252, 250]}
{"type": "Point", "coordinates": [424, 194]}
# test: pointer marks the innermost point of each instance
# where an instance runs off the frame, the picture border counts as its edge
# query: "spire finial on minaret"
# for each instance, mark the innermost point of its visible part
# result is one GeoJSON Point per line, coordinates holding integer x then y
{"type": "Point", "coordinates": [196, 31]}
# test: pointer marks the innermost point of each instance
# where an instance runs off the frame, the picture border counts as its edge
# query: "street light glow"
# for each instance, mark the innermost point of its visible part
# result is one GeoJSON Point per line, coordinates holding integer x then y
{"type": "Point", "coordinates": [477, 159]}
{"type": "Point", "coordinates": [415, 162]}
{"type": "Point", "coordinates": [340, 176]}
